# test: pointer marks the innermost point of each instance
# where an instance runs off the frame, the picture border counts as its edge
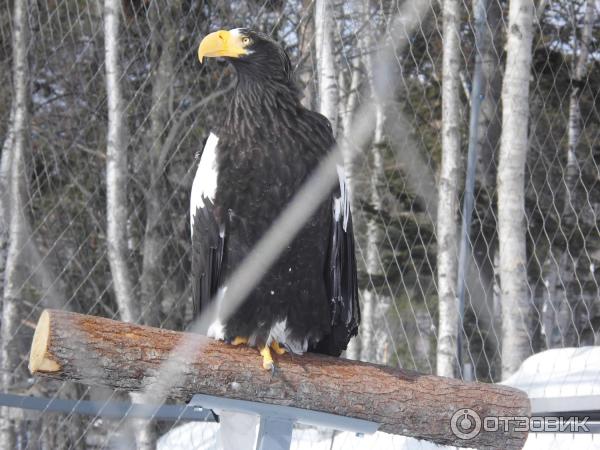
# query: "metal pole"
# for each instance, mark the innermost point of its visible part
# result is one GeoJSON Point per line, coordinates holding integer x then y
{"type": "Point", "coordinates": [277, 421]}
{"type": "Point", "coordinates": [108, 409]}
{"type": "Point", "coordinates": [480, 14]}
{"type": "Point", "coordinates": [274, 433]}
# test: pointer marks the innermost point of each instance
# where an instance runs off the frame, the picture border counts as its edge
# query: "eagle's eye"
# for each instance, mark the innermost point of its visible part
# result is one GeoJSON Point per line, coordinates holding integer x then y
{"type": "Point", "coordinates": [246, 40]}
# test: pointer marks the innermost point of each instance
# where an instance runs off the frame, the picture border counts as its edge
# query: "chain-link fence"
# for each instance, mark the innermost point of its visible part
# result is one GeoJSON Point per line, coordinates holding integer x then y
{"type": "Point", "coordinates": [54, 251]}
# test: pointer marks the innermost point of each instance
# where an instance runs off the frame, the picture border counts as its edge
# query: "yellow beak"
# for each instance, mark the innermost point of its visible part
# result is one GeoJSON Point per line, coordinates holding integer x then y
{"type": "Point", "coordinates": [221, 43]}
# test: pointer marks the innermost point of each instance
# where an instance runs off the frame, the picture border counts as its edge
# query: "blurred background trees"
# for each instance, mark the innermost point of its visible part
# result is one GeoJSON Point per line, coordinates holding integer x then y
{"type": "Point", "coordinates": [104, 105]}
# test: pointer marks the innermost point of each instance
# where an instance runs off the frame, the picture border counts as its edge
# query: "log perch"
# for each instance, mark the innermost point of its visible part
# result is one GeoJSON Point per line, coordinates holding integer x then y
{"type": "Point", "coordinates": [102, 352]}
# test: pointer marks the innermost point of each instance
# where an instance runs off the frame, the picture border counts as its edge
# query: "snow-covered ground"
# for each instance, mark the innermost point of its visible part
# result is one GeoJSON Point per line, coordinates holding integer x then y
{"type": "Point", "coordinates": [203, 436]}
{"type": "Point", "coordinates": [561, 372]}
{"type": "Point", "coordinates": [570, 372]}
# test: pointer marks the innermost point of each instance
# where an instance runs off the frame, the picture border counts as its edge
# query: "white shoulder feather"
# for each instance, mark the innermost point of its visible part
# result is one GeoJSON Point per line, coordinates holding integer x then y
{"type": "Point", "coordinates": [341, 205]}
{"type": "Point", "coordinates": [205, 181]}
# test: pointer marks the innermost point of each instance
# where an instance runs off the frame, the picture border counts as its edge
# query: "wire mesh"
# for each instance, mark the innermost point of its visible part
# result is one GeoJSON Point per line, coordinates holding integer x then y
{"type": "Point", "coordinates": [171, 103]}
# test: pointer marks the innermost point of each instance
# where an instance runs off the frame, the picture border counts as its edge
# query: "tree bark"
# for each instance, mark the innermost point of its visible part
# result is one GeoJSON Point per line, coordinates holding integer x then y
{"type": "Point", "coordinates": [14, 203]}
{"type": "Point", "coordinates": [374, 332]}
{"type": "Point", "coordinates": [579, 71]}
{"type": "Point", "coordinates": [305, 70]}
{"type": "Point", "coordinates": [447, 218]}
{"type": "Point", "coordinates": [347, 108]}
{"type": "Point", "coordinates": [119, 355]}
{"type": "Point", "coordinates": [162, 53]}
{"type": "Point", "coordinates": [484, 240]}
{"type": "Point", "coordinates": [328, 89]}
{"type": "Point", "coordinates": [563, 288]}
{"type": "Point", "coordinates": [117, 169]}
{"type": "Point", "coordinates": [152, 280]}
{"type": "Point", "coordinates": [5, 168]}
{"type": "Point", "coordinates": [489, 123]}
{"type": "Point", "coordinates": [516, 305]}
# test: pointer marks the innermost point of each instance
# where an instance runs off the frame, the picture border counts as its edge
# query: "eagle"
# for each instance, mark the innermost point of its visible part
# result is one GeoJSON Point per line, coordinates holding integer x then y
{"type": "Point", "coordinates": [250, 168]}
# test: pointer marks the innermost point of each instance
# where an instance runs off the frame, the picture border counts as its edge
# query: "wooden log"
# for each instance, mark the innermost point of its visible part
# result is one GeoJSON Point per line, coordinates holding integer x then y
{"type": "Point", "coordinates": [97, 351]}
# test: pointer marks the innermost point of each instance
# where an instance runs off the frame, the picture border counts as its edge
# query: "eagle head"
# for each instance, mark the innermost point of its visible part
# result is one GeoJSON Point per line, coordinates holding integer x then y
{"type": "Point", "coordinates": [250, 52]}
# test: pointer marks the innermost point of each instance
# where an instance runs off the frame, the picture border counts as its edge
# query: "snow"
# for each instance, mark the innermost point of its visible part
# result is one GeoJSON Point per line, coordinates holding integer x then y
{"type": "Point", "coordinates": [561, 372]}
{"type": "Point", "coordinates": [568, 372]}
{"type": "Point", "coordinates": [190, 436]}
{"type": "Point", "coordinates": [204, 436]}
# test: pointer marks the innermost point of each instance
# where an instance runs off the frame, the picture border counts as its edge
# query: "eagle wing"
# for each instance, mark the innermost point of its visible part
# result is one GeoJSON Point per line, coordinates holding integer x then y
{"type": "Point", "coordinates": [208, 234]}
{"type": "Point", "coordinates": [341, 276]}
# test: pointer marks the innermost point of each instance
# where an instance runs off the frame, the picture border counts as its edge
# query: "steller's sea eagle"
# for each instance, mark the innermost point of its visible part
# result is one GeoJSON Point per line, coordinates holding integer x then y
{"type": "Point", "coordinates": [249, 170]}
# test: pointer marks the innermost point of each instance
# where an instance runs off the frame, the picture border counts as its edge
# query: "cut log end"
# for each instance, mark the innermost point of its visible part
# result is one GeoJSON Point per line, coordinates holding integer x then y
{"type": "Point", "coordinates": [39, 361]}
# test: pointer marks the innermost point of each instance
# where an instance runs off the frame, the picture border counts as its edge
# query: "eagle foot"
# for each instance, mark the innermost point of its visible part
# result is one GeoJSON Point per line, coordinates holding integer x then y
{"type": "Point", "coordinates": [277, 348]}
{"type": "Point", "coordinates": [238, 340]}
{"type": "Point", "coordinates": [268, 363]}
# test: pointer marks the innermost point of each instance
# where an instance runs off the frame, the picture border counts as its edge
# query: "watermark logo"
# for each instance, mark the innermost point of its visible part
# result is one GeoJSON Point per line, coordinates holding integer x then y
{"type": "Point", "coordinates": [467, 424]}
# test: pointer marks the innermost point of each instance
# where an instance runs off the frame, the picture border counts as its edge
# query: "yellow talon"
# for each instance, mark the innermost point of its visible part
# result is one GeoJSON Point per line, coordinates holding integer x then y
{"type": "Point", "coordinates": [239, 341]}
{"type": "Point", "coordinates": [267, 358]}
{"type": "Point", "coordinates": [277, 348]}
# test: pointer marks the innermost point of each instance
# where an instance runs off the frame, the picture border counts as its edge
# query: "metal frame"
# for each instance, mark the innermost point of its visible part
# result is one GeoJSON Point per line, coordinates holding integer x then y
{"type": "Point", "coordinates": [109, 409]}
{"type": "Point", "coordinates": [277, 422]}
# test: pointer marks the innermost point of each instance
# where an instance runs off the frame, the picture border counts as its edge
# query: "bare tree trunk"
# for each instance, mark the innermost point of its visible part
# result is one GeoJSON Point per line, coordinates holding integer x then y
{"type": "Point", "coordinates": [516, 305]}
{"type": "Point", "coordinates": [306, 44]}
{"type": "Point", "coordinates": [567, 289]}
{"type": "Point", "coordinates": [347, 109]}
{"type": "Point", "coordinates": [14, 273]}
{"type": "Point", "coordinates": [152, 280]}
{"type": "Point", "coordinates": [558, 315]}
{"type": "Point", "coordinates": [374, 335]}
{"type": "Point", "coordinates": [574, 131]}
{"type": "Point", "coordinates": [328, 89]}
{"type": "Point", "coordinates": [563, 295]}
{"type": "Point", "coordinates": [489, 123]}
{"type": "Point", "coordinates": [117, 170]}
{"type": "Point", "coordinates": [447, 218]}
{"type": "Point", "coordinates": [162, 54]}
{"type": "Point", "coordinates": [5, 167]}
{"type": "Point", "coordinates": [489, 129]}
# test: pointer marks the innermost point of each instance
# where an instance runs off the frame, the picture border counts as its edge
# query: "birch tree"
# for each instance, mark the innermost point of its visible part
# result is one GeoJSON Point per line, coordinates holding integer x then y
{"type": "Point", "coordinates": [484, 241]}
{"type": "Point", "coordinates": [347, 107]}
{"type": "Point", "coordinates": [13, 203]}
{"type": "Point", "coordinates": [116, 169]}
{"type": "Point", "coordinates": [447, 223]}
{"type": "Point", "coordinates": [562, 296]}
{"type": "Point", "coordinates": [163, 47]}
{"type": "Point", "coordinates": [516, 305]}
{"type": "Point", "coordinates": [116, 190]}
{"type": "Point", "coordinates": [5, 168]}
{"type": "Point", "coordinates": [489, 123]}
{"type": "Point", "coordinates": [306, 37]}
{"type": "Point", "coordinates": [579, 71]}
{"type": "Point", "coordinates": [328, 89]}
{"type": "Point", "coordinates": [374, 335]}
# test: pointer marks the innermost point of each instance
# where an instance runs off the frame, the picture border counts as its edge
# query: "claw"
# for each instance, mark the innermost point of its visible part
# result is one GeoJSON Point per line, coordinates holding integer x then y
{"type": "Point", "coordinates": [239, 340]}
{"type": "Point", "coordinates": [277, 348]}
{"type": "Point", "coordinates": [267, 359]}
